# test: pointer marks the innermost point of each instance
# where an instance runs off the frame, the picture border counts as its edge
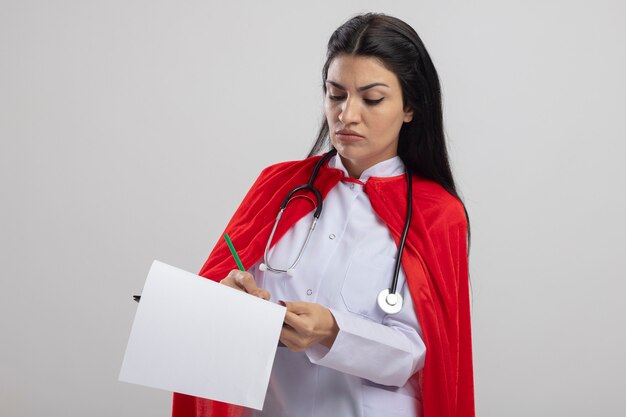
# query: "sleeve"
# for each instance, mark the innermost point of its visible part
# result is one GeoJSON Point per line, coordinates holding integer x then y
{"type": "Point", "coordinates": [386, 353]}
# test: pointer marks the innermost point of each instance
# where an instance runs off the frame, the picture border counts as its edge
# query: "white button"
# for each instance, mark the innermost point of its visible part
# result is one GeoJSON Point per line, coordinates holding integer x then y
{"type": "Point", "coordinates": [352, 186]}
{"type": "Point", "coordinates": [331, 236]}
{"type": "Point", "coordinates": [309, 291]}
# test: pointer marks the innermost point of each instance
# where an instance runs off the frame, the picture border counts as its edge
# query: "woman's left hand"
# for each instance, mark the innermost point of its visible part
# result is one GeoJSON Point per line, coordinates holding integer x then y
{"type": "Point", "coordinates": [307, 324]}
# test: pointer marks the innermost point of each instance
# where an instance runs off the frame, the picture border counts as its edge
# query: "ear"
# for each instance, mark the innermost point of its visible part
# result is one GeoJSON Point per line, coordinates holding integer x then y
{"type": "Point", "coordinates": [408, 115]}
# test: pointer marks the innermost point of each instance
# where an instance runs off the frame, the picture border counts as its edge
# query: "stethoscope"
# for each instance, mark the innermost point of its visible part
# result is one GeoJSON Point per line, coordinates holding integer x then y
{"type": "Point", "coordinates": [389, 299]}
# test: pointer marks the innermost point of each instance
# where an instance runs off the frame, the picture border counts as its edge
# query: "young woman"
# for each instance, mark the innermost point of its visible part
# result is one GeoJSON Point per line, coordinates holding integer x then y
{"type": "Point", "coordinates": [377, 298]}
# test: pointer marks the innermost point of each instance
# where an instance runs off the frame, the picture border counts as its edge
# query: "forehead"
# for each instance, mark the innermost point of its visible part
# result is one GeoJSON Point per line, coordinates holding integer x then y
{"type": "Point", "coordinates": [355, 71]}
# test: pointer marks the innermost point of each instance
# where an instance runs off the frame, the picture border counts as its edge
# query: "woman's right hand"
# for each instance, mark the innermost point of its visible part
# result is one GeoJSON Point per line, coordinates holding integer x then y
{"type": "Point", "coordinates": [244, 281]}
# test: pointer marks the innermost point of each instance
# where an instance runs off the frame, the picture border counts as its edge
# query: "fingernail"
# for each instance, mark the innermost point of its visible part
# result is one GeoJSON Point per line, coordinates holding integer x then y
{"type": "Point", "coordinates": [282, 303]}
{"type": "Point", "coordinates": [238, 276]}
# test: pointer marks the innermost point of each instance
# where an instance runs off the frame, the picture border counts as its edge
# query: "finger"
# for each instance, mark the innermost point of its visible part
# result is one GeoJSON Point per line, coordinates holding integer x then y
{"type": "Point", "coordinates": [295, 321]}
{"type": "Point", "coordinates": [298, 307]}
{"type": "Point", "coordinates": [229, 282]}
{"type": "Point", "coordinates": [261, 293]}
{"type": "Point", "coordinates": [234, 278]}
{"type": "Point", "coordinates": [291, 339]}
{"type": "Point", "coordinates": [246, 280]}
{"type": "Point", "coordinates": [243, 279]}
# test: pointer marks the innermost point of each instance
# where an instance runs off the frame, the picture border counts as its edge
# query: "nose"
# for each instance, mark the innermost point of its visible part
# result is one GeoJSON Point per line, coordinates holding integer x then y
{"type": "Point", "coordinates": [350, 112]}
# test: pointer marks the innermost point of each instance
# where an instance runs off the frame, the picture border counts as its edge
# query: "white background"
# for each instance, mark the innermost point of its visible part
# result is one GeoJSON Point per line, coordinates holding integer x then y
{"type": "Point", "coordinates": [107, 106]}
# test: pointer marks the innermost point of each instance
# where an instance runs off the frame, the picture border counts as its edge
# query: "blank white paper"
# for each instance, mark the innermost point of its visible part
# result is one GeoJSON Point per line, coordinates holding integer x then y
{"type": "Point", "coordinates": [198, 337]}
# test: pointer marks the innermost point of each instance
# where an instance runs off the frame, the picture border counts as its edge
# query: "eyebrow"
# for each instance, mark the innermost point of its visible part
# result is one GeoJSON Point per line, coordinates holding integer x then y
{"type": "Point", "coordinates": [362, 88]}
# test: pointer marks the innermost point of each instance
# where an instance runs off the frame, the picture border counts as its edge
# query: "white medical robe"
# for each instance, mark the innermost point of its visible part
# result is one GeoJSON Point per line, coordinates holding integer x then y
{"type": "Point", "coordinates": [348, 261]}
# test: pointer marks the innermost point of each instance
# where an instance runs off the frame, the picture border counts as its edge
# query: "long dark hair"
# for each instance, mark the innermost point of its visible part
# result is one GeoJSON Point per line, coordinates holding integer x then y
{"type": "Point", "coordinates": [422, 144]}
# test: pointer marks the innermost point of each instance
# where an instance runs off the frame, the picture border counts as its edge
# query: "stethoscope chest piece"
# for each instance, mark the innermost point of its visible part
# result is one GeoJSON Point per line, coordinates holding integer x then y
{"type": "Point", "coordinates": [389, 303]}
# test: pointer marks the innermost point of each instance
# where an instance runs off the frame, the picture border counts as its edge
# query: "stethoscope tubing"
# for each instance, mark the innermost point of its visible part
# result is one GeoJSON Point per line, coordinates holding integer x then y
{"type": "Point", "coordinates": [389, 300]}
{"type": "Point", "coordinates": [405, 232]}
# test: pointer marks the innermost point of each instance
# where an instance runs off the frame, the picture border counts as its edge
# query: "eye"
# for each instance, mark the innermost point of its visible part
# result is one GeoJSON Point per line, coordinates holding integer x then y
{"type": "Point", "coordinates": [335, 98]}
{"type": "Point", "coordinates": [373, 102]}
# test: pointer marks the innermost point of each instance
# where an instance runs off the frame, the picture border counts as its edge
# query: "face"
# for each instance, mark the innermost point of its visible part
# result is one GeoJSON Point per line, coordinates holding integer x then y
{"type": "Point", "coordinates": [364, 97]}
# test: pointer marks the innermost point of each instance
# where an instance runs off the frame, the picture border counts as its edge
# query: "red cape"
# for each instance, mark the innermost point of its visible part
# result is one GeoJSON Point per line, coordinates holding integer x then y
{"type": "Point", "coordinates": [436, 243]}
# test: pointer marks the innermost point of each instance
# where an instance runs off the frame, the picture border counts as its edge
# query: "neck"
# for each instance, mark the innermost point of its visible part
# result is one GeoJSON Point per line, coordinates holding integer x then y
{"type": "Point", "coordinates": [355, 170]}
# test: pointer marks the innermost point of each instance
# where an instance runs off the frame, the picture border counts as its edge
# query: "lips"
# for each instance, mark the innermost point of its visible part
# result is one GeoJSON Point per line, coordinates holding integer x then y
{"type": "Point", "coordinates": [348, 135]}
{"type": "Point", "coordinates": [348, 132]}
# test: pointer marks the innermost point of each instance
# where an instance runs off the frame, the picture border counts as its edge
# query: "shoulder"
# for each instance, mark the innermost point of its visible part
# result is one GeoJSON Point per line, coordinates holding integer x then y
{"type": "Point", "coordinates": [437, 205]}
{"type": "Point", "coordinates": [439, 209]}
{"type": "Point", "coordinates": [288, 169]}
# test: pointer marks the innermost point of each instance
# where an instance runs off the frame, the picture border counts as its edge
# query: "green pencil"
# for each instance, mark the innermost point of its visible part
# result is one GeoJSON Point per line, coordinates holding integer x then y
{"type": "Point", "coordinates": [233, 252]}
